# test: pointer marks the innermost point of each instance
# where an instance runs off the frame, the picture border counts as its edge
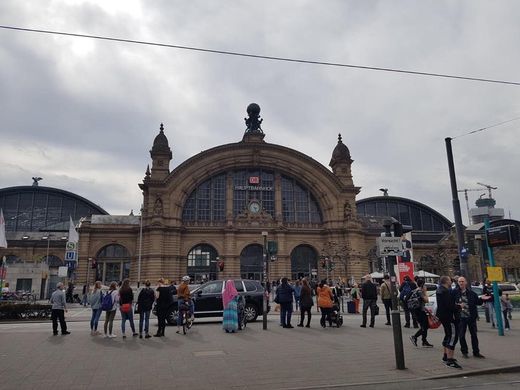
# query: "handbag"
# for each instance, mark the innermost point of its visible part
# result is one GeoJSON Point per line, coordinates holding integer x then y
{"type": "Point", "coordinates": [126, 307]}
{"type": "Point", "coordinates": [136, 309]}
{"type": "Point", "coordinates": [433, 321]}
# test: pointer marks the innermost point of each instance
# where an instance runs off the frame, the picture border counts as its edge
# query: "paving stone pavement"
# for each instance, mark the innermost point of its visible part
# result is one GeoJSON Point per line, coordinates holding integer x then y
{"type": "Point", "coordinates": [207, 358]}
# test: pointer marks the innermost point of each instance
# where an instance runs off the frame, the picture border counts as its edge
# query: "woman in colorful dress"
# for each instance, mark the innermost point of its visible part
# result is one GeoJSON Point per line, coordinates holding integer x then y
{"type": "Point", "coordinates": [230, 305]}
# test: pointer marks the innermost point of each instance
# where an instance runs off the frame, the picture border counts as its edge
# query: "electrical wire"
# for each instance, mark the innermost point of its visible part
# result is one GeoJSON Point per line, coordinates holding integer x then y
{"type": "Point", "coordinates": [263, 57]}
{"type": "Point", "coordinates": [486, 128]}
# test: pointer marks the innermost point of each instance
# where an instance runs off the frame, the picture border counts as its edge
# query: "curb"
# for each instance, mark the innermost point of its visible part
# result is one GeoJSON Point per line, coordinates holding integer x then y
{"type": "Point", "coordinates": [487, 371]}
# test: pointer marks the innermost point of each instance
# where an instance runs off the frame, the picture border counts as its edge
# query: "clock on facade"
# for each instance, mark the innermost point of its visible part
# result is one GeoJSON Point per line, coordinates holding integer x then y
{"type": "Point", "coordinates": [254, 207]}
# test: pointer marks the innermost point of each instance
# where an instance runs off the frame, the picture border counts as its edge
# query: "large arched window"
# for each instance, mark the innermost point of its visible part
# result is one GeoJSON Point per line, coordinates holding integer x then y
{"type": "Point", "coordinates": [53, 261]}
{"type": "Point", "coordinates": [298, 204]}
{"type": "Point", "coordinates": [202, 263]}
{"type": "Point", "coordinates": [207, 202]}
{"type": "Point", "coordinates": [304, 259]}
{"type": "Point", "coordinates": [251, 262]}
{"type": "Point", "coordinates": [113, 264]}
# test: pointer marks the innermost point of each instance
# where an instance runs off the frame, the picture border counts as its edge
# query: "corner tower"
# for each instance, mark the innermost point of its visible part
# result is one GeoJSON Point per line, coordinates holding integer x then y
{"type": "Point", "coordinates": [341, 163]}
{"type": "Point", "coordinates": [161, 156]}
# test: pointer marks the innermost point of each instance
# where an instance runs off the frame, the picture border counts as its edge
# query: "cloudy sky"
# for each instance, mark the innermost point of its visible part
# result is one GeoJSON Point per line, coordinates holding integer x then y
{"type": "Point", "coordinates": [83, 113]}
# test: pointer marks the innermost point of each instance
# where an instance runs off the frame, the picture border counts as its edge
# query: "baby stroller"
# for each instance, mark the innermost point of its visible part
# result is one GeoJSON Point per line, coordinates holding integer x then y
{"type": "Point", "coordinates": [336, 316]}
{"type": "Point", "coordinates": [241, 306]}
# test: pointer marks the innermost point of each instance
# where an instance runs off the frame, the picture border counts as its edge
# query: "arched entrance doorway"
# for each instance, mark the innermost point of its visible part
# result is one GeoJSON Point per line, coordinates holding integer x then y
{"type": "Point", "coordinates": [251, 262]}
{"type": "Point", "coordinates": [202, 263]}
{"type": "Point", "coordinates": [304, 261]}
{"type": "Point", "coordinates": [113, 264]}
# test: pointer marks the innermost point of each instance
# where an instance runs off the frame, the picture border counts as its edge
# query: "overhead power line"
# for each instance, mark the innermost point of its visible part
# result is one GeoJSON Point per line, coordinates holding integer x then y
{"type": "Point", "coordinates": [263, 57]}
{"type": "Point", "coordinates": [486, 128]}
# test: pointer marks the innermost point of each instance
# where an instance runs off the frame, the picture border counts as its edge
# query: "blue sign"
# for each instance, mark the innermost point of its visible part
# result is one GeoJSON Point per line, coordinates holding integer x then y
{"type": "Point", "coordinates": [71, 265]}
{"type": "Point", "coordinates": [70, 256]}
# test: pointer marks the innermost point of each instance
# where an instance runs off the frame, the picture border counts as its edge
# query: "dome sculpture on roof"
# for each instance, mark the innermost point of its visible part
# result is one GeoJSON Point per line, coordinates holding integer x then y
{"type": "Point", "coordinates": [254, 121]}
{"type": "Point", "coordinates": [340, 153]}
{"type": "Point", "coordinates": [160, 143]}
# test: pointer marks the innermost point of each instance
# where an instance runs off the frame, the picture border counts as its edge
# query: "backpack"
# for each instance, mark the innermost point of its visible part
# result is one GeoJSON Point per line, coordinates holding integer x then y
{"type": "Point", "coordinates": [405, 292]}
{"type": "Point", "coordinates": [107, 302]}
{"type": "Point", "coordinates": [414, 300]}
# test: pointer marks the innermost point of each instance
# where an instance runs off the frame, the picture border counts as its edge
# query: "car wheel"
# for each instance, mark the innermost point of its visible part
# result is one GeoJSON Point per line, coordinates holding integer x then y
{"type": "Point", "coordinates": [251, 312]}
{"type": "Point", "coordinates": [171, 318]}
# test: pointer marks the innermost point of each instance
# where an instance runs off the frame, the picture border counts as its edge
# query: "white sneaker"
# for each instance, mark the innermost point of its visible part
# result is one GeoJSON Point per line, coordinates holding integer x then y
{"type": "Point", "coordinates": [112, 335]}
{"type": "Point", "coordinates": [107, 336]}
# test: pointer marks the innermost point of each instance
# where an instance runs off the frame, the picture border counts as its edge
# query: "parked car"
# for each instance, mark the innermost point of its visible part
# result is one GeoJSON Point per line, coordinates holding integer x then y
{"type": "Point", "coordinates": [509, 288]}
{"type": "Point", "coordinates": [432, 298]}
{"type": "Point", "coordinates": [208, 300]}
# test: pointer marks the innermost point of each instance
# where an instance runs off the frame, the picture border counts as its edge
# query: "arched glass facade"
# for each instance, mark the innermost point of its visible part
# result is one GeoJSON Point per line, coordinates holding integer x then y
{"type": "Point", "coordinates": [113, 264]}
{"type": "Point", "coordinates": [408, 212]}
{"type": "Point", "coordinates": [304, 259]}
{"type": "Point", "coordinates": [34, 208]}
{"type": "Point", "coordinates": [208, 201]}
{"type": "Point", "coordinates": [298, 204]}
{"type": "Point", "coordinates": [202, 263]}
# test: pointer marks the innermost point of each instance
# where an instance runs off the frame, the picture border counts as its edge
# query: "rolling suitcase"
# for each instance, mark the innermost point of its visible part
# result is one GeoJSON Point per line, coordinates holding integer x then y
{"type": "Point", "coordinates": [351, 307]}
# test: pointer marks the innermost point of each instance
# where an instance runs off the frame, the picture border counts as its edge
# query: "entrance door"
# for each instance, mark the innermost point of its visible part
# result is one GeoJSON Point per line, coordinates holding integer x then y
{"type": "Point", "coordinates": [251, 262]}
{"type": "Point", "coordinates": [304, 260]}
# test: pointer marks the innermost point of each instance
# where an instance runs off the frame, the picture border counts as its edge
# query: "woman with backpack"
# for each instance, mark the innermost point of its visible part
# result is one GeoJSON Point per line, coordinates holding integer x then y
{"type": "Point", "coordinates": [126, 299]}
{"type": "Point", "coordinates": [95, 304]}
{"type": "Point", "coordinates": [109, 304]}
{"type": "Point", "coordinates": [415, 303]}
{"type": "Point", "coordinates": [145, 302]}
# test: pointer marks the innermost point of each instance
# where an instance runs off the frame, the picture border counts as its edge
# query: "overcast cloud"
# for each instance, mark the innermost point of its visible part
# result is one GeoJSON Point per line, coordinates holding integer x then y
{"type": "Point", "coordinates": [83, 113]}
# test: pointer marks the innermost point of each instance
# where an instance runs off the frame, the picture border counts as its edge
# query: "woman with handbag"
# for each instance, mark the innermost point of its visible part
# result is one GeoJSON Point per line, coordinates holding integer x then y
{"type": "Point", "coordinates": [126, 298]}
{"type": "Point", "coordinates": [144, 306]}
{"type": "Point", "coordinates": [415, 302]}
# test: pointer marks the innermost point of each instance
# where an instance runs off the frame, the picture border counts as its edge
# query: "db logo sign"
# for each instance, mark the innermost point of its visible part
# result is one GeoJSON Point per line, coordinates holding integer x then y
{"type": "Point", "coordinates": [254, 180]}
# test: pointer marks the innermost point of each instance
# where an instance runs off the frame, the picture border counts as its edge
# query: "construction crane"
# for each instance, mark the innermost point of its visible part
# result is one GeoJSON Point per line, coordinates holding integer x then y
{"type": "Point", "coordinates": [489, 188]}
{"type": "Point", "coordinates": [467, 200]}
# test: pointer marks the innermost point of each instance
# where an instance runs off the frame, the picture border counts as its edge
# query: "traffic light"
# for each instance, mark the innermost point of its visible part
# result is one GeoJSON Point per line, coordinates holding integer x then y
{"type": "Point", "coordinates": [93, 264]}
{"type": "Point", "coordinates": [221, 265]}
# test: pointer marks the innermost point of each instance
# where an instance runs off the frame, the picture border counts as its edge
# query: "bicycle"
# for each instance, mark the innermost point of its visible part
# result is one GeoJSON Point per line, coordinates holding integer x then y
{"type": "Point", "coordinates": [184, 312]}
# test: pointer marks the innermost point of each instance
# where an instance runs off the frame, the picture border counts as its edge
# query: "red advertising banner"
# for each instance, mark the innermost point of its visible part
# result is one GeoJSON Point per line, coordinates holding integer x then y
{"type": "Point", "coordinates": [405, 269]}
{"type": "Point", "coordinates": [3, 272]}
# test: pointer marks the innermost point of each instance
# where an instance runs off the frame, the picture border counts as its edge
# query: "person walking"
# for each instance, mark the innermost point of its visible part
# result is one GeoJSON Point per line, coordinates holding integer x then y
{"type": "Point", "coordinates": [230, 304]}
{"type": "Point", "coordinates": [95, 299]}
{"type": "Point", "coordinates": [416, 303]}
{"type": "Point", "coordinates": [297, 293]}
{"type": "Point", "coordinates": [488, 297]}
{"type": "Point", "coordinates": [468, 301]}
{"type": "Point", "coordinates": [506, 306]}
{"type": "Point", "coordinates": [164, 300]}
{"type": "Point", "coordinates": [59, 308]}
{"type": "Point", "coordinates": [369, 295]}
{"type": "Point", "coordinates": [126, 300]}
{"type": "Point", "coordinates": [145, 301]}
{"type": "Point", "coordinates": [284, 296]}
{"type": "Point", "coordinates": [354, 294]}
{"type": "Point", "coordinates": [386, 297]}
{"type": "Point", "coordinates": [325, 302]}
{"type": "Point", "coordinates": [404, 292]}
{"type": "Point", "coordinates": [84, 298]}
{"type": "Point", "coordinates": [447, 314]}
{"type": "Point", "coordinates": [109, 305]}
{"type": "Point", "coordinates": [306, 303]}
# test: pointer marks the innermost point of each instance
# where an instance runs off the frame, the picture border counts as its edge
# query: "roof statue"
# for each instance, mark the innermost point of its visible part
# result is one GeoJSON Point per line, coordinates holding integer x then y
{"type": "Point", "coordinates": [254, 121]}
{"type": "Point", "coordinates": [36, 180]}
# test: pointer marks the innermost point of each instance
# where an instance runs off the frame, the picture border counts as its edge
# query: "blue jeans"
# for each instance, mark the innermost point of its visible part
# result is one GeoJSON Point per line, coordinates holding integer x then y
{"type": "Point", "coordinates": [130, 317]}
{"type": "Point", "coordinates": [96, 313]}
{"type": "Point", "coordinates": [144, 317]}
{"type": "Point", "coordinates": [183, 302]}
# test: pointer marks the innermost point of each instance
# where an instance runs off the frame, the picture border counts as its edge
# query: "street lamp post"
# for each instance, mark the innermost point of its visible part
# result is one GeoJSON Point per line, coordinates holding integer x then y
{"type": "Point", "coordinates": [265, 303]}
{"type": "Point", "coordinates": [140, 247]}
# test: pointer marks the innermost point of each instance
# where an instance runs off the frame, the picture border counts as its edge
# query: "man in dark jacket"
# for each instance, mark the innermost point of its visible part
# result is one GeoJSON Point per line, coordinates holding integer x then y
{"type": "Point", "coordinates": [447, 314]}
{"type": "Point", "coordinates": [468, 317]}
{"type": "Point", "coordinates": [284, 296]}
{"type": "Point", "coordinates": [369, 295]}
